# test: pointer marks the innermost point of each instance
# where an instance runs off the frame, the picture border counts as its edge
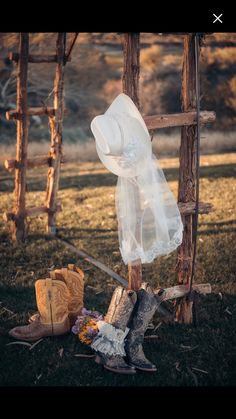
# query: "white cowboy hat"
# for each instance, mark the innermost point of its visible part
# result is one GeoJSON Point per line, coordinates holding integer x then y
{"type": "Point", "coordinates": [122, 138]}
{"type": "Point", "coordinates": [149, 221]}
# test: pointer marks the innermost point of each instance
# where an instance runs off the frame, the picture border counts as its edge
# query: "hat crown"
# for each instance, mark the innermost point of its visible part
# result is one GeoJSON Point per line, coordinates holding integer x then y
{"type": "Point", "coordinates": [108, 134]}
{"type": "Point", "coordinates": [122, 138]}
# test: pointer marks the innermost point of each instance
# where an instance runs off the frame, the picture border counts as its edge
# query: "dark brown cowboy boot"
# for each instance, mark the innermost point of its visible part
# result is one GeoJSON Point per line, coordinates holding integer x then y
{"type": "Point", "coordinates": [118, 315]}
{"type": "Point", "coordinates": [143, 312]}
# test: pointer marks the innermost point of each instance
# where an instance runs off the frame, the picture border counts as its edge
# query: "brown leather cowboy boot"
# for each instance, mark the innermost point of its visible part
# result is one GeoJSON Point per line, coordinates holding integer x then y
{"type": "Point", "coordinates": [118, 315]}
{"type": "Point", "coordinates": [52, 299]}
{"type": "Point", "coordinates": [143, 312]}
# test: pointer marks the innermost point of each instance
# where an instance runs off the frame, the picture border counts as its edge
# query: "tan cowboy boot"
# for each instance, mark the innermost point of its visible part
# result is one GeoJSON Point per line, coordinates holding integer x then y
{"type": "Point", "coordinates": [73, 277]}
{"type": "Point", "coordinates": [52, 297]}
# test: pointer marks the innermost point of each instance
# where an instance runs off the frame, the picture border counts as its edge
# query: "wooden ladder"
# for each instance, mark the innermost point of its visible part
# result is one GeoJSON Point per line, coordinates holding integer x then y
{"type": "Point", "coordinates": [187, 119]}
{"type": "Point", "coordinates": [21, 114]}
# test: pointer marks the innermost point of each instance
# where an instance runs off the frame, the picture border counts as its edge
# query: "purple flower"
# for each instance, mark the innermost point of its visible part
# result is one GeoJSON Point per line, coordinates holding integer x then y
{"type": "Point", "coordinates": [74, 330]}
{"type": "Point", "coordinates": [84, 311]}
{"type": "Point", "coordinates": [97, 315]}
{"type": "Point", "coordinates": [86, 316]}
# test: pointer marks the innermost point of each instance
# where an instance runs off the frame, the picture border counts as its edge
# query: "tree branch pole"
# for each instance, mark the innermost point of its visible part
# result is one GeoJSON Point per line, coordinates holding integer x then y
{"type": "Point", "coordinates": [187, 171]}
{"type": "Point", "coordinates": [131, 88]}
{"type": "Point", "coordinates": [19, 229]}
{"type": "Point", "coordinates": [56, 135]}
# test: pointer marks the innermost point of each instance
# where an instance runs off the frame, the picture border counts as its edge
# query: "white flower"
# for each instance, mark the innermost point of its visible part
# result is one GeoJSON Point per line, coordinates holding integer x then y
{"type": "Point", "coordinates": [109, 340]}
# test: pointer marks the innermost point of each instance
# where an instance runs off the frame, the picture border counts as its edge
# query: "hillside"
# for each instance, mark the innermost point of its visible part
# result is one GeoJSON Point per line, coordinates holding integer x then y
{"type": "Point", "coordinates": [93, 79]}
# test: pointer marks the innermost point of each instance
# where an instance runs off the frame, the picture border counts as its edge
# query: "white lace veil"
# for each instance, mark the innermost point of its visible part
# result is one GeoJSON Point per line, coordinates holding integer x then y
{"type": "Point", "coordinates": [149, 221]}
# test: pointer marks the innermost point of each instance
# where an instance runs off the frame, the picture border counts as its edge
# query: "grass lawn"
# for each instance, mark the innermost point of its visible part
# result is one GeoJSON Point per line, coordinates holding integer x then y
{"type": "Point", "coordinates": [184, 355]}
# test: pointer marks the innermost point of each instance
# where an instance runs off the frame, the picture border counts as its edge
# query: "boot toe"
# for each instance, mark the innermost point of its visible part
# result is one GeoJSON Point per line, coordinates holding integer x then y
{"type": "Point", "coordinates": [23, 333]}
{"type": "Point", "coordinates": [14, 333]}
{"type": "Point", "coordinates": [143, 366]}
{"type": "Point", "coordinates": [148, 368]}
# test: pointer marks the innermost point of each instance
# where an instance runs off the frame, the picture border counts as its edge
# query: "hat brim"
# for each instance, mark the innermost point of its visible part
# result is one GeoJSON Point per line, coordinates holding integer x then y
{"type": "Point", "coordinates": [123, 104]}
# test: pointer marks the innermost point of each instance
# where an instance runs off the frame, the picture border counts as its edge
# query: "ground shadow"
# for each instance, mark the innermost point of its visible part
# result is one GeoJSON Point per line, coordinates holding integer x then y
{"type": "Point", "coordinates": [218, 227]}
{"type": "Point", "coordinates": [95, 233]}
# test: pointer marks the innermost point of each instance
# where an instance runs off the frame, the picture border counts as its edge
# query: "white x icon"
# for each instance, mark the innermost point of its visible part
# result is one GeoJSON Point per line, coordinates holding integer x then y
{"type": "Point", "coordinates": [217, 18]}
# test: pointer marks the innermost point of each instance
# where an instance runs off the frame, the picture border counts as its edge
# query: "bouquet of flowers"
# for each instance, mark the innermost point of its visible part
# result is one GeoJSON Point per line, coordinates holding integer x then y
{"type": "Point", "coordinates": [92, 330]}
{"type": "Point", "coordinates": [86, 327]}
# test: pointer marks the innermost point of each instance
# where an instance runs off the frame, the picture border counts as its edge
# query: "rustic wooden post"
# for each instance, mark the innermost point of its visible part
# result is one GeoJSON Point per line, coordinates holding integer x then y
{"type": "Point", "coordinates": [131, 66]}
{"type": "Point", "coordinates": [131, 88]}
{"type": "Point", "coordinates": [187, 172]}
{"type": "Point", "coordinates": [19, 230]}
{"type": "Point", "coordinates": [56, 135]}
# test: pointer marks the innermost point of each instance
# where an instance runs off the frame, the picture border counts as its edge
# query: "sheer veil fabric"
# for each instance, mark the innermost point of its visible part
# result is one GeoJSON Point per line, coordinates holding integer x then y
{"type": "Point", "coordinates": [149, 221]}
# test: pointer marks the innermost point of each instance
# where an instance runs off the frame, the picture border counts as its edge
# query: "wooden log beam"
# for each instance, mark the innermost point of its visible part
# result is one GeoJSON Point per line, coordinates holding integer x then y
{"type": "Point", "coordinates": [44, 110]}
{"type": "Point", "coordinates": [178, 119]}
{"type": "Point", "coordinates": [56, 134]}
{"type": "Point", "coordinates": [30, 212]}
{"type": "Point", "coordinates": [187, 208]}
{"type": "Point", "coordinates": [19, 229]}
{"type": "Point", "coordinates": [36, 58]}
{"type": "Point", "coordinates": [180, 291]}
{"type": "Point", "coordinates": [37, 161]}
{"type": "Point", "coordinates": [130, 80]}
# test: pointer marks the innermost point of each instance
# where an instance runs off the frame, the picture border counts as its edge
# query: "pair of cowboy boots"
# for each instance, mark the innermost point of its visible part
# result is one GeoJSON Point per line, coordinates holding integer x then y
{"type": "Point", "coordinates": [132, 312]}
{"type": "Point", "coordinates": [59, 298]}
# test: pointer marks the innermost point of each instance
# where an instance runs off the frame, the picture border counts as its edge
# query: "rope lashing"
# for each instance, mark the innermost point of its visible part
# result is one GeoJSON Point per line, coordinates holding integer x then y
{"type": "Point", "coordinates": [182, 258]}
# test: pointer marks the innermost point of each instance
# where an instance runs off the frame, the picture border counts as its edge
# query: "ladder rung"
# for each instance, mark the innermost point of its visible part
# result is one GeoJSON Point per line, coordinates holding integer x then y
{"type": "Point", "coordinates": [179, 291]}
{"type": "Point", "coordinates": [31, 212]}
{"type": "Point", "coordinates": [178, 119]}
{"type": "Point", "coordinates": [13, 114]}
{"type": "Point", "coordinates": [34, 58]}
{"type": "Point", "coordinates": [188, 208]}
{"type": "Point", "coordinates": [36, 161]}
